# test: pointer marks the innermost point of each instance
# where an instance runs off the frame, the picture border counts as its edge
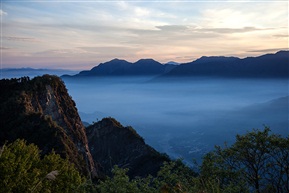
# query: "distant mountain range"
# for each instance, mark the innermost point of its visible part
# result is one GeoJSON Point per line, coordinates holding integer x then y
{"type": "Point", "coordinates": [118, 67]}
{"type": "Point", "coordinates": [32, 72]}
{"type": "Point", "coordinates": [269, 65]}
{"type": "Point", "coordinates": [265, 66]}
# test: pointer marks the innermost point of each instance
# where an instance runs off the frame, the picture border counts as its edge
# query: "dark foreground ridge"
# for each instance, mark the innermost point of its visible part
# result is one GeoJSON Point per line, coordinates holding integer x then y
{"type": "Point", "coordinates": [112, 144]}
{"type": "Point", "coordinates": [42, 112]}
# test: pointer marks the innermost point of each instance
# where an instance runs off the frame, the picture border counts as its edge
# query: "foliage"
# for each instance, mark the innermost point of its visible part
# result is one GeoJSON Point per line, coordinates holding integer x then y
{"type": "Point", "coordinates": [174, 176]}
{"type": "Point", "coordinates": [120, 183]}
{"type": "Point", "coordinates": [257, 160]}
{"type": "Point", "coordinates": [23, 170]}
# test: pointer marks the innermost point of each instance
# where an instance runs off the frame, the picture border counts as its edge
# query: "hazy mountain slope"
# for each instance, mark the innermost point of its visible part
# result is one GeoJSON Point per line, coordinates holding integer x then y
{"type": "Point", "coordinates": [116, 67]}
{"type": "Point", "coordinates": [112, 144]}
{"type": "Point", "coordinates": [265, 66]}
{"type": "Point", "coordinates": [41, 112]}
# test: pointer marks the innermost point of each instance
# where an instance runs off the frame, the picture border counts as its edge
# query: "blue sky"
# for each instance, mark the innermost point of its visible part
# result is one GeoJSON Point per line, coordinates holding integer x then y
{"type": "Point", "coordinates": [82, 34]}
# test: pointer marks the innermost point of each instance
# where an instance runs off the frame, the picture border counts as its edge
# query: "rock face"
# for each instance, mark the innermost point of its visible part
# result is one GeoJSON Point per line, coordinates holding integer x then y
{"type": "Point", "coordinates": [112, 144]}
{"type": "Point", "coordinates": [41, 112]}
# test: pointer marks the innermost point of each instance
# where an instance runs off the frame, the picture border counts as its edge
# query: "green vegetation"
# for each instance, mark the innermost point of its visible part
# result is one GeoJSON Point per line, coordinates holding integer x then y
{"type": "Point", "coordinates": [257, 162]}
{"type": "Point", "coordinates": [23, 170]}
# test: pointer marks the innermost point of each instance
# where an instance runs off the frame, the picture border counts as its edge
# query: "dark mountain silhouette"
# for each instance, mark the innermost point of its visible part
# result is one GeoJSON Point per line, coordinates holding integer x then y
{"type": "Point", "coordinates": [116, 67]}
{"type": "Point", "coordinates": [42, 112]}
{"type": "Point", "coordinates": [112, 144]}
{"type": "Point", "coordinates": [172, 62]}
{"type": "Point", "coordinates": [265, 66]}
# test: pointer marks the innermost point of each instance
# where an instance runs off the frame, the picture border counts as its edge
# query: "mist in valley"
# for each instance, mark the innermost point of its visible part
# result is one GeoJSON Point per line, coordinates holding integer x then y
{"type": "Point", "coordinates": [184, 118]}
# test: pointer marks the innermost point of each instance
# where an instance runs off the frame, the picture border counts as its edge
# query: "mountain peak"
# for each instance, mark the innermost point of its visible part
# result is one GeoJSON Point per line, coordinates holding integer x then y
{"type": "Point", "coordinates": [118, 67]}
{"type": "Point", "coordinates": [117, 60]}
{"type": "Point", "coordinates": [113, 144]}
{"type": "Point", "coordinates": [283, 52]}
{"type": "Point", "coordinates": [43, 113]}
{"type": "Point", "coordinates": [204, 59]}
{"type": "Point", "coordinates": [264, 66]}
{"type": "Point", "coordinates": [146, 60]}
{"type": "Point", "coordinates": [172, 63]}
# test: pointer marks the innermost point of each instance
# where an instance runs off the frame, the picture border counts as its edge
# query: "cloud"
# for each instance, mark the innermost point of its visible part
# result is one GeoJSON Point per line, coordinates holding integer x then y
{"type": "Point", "coordinates": [172, 27]}
{"type": "Point", "coordinates": [91, 31]}
{"type": "Point", "coordinates": [231, 30]}
{"type": "Point", "coordinates": [109, 52]}
{"type": "Point", "coordinates": [20, 39]}
{"type": "Point", "coordinates": [133, 10]}
{"type": "Point", "coordinates": [141, 12]}
{"type": "Point", "coordinates": [174, 33]}
{"type": "Point", "coordinates": [60, 52]}
{"type": "Point", "coordinates": [104, 49]}
{"type": "Point", "coordinates": [3, 12]}
{"type": "Point", "coordinates": [269, 50]}
{"type": "Point", "coordinates": [4, 48]}
{"type": "Point", "coordinates": [281, 35]}
{"type": "Point", "coordinates": [227, 30]}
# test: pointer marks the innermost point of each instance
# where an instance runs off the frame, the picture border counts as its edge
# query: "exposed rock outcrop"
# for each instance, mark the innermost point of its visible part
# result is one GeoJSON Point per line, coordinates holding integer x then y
{"type": "Point", "coordinates": [112, 144]}
{"type": "Point", "coordinates": [41, 112]}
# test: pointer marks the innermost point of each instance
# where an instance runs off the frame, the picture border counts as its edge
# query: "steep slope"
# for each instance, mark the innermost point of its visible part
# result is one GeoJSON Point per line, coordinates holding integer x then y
{"type": "Point", "coordinates": [116, 67]}
{"type": "Point", "coordinates": [41, 112]}
{"type": "Point", "coordinates": [265, 66]}
{"type": "Point", "coordinates": [112, 144]}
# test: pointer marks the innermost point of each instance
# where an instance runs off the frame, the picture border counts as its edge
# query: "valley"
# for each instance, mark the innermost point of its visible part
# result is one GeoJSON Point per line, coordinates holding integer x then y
{"type": "Point", "coordinates": [185, 118]}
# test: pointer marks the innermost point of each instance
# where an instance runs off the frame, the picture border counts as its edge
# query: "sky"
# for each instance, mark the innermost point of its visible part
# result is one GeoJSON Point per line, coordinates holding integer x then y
{"type": "Point", "coordinates": [81, 34]}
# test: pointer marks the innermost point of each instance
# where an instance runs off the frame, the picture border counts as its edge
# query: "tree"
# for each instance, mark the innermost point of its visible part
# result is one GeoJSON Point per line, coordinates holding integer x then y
{"type": "Point", "coordinates": [258, 160]}
{"type": "Point", "coordinates": [23, 170]}
{"type": "Point", "coordinates": [120, 183]}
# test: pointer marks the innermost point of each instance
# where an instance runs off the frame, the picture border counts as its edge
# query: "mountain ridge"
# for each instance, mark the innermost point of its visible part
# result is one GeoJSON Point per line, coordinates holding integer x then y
{"type": "Point", "coordinates": [264, 66]}
{"type": "Point", "coordinates": [118, 67]}
{"type": "Point", "coordinates": [273, 65]}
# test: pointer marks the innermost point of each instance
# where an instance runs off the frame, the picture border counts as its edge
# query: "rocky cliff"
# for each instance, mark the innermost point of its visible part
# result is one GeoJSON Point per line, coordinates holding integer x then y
{"type": "Point", "coordinates": [112, 144]}
{"type": "Point", "coordinates": [41, 112]}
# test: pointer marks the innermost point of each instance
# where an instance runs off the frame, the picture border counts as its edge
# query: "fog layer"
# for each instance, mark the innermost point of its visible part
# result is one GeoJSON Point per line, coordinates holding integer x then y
{"type": "Point", "coordinates": [185, 117]}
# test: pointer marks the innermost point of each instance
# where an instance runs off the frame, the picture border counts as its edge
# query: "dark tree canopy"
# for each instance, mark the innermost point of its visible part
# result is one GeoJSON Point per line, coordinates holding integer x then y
{"type": "Point", "coordinates": [257, 159]}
